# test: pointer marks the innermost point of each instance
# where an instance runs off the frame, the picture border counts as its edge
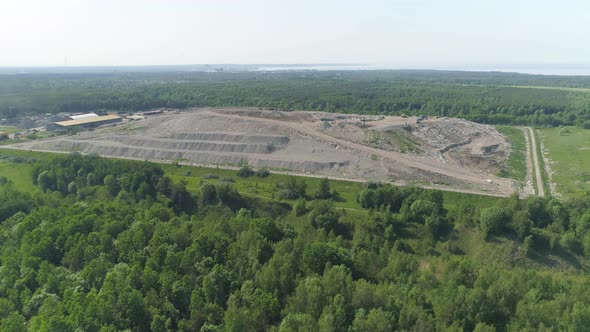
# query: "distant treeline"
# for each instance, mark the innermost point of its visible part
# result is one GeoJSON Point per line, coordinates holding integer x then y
{"type": "Point", "coordinates": [481, 97]}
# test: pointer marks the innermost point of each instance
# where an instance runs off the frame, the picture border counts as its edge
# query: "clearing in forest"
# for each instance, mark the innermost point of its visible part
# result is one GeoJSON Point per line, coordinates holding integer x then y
{"type": "Point", "coordinates": [444, 153]}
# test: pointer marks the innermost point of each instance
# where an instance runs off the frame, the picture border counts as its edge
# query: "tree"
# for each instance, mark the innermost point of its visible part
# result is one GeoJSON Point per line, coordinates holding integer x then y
{"type": "Point", "coordinates": [317, 255]}
{"type": "Point", "coordinates": [293, 189]}
{"type": "Point", "coordinates": [208, 194]}
{"type": "Point", "coordinates": [323, 215]}
{"type": "Point", "coordinates": [112, 185]}
{"type": "Point", "coordinates": [45, 181]}
{"type": "Point", "coordinates": [376, 320]}
{"type": "Point", "coordinates": [333, 317]}
{"type": "Point", "coordinates": [90, 179]}
{"type": "Point", "coordinates": [300, 207]}
{"type": "Point", "coordinates": [324, 189]}
{"type": "Point", "coordinates": [421, 209]}
{"type": "Point", "coordinates": [72, 188]}
{"type": "Point", "coordinates": [14, 323]}
{"type": "Point", "coordinates": [181, 199]}
{"type": "Point", "coordinates": [298, 323]}
{"type": "Point", "coordinates": [250, 309]}
{"type": "Point", "coordinates": [492, 220]}
{"type": "Point", "coordinates": [521, 224]}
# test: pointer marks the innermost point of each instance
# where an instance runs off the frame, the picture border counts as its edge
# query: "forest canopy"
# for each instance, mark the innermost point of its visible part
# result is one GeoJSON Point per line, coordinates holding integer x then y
{"type": "Point", "coordinates": [108, 245]}
{"type": "Point", "coordinates": [495, 98]}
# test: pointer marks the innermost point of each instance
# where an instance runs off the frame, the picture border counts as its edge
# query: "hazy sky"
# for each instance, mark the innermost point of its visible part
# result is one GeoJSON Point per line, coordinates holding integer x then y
{"type": "Point", "coordinates": [396, 32]}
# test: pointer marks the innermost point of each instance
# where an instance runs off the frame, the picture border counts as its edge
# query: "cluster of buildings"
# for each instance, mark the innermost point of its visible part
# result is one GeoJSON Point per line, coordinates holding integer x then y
{"type": "Point", "coordinates": [83, 121]}
{"type": "Point", "coordinates": [67, 122]}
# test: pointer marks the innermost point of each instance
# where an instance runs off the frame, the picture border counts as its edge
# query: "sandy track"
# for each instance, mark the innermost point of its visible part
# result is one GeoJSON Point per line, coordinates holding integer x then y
{"type": "Point", "coordinates": [529, 188]}
{"type": "Point", "coordinates": [502, 185]}
{"type": "Point", "coordinates": [533, 140]}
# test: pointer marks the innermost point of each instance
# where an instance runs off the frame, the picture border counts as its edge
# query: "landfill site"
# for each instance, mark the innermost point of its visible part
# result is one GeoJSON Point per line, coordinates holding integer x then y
{"type": "Point", "coordinates": [444, 153]}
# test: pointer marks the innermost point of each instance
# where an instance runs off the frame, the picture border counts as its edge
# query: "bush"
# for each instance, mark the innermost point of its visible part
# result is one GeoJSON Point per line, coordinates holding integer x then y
{"type": "Point", "coordinates": [293, 189]}
{"type": "Point", "coordinates": [210, 176]}
{"type": "Point", "coordinates": [263, 172]}
{"type": "Point", "coordinates": [492, 220]}
{"type": "Point", "coordinates": [300, 207]}
{"type": "Point", "coordinates": [245, 171]}
{"type": "Point", "coordinates": [569, 242]}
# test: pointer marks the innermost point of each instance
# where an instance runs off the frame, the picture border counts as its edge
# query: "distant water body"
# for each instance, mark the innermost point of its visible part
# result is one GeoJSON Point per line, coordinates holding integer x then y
{"type": "Point", "coordinates": [550, 69]}
{"type": "Point", "coordinates": [566, 70]}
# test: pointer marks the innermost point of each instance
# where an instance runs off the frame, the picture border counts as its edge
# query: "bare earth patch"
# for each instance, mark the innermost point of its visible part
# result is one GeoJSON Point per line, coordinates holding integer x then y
{"type": "Point", "coordinates": [449, 154]}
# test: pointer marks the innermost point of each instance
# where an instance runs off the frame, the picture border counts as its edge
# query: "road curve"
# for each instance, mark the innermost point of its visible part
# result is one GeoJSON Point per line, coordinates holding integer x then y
{"type": "Point", "coordinates": [540, 187]}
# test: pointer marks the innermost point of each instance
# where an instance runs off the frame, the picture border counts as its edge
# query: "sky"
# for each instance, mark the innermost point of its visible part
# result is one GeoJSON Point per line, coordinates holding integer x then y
{"type": "Point", "coordinates": [399, 33]}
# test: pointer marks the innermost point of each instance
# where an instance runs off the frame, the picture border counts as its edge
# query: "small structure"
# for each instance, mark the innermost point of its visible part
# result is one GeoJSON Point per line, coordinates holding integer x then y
{"type": "Point", "coordinates": [88, 122]}
{"type": "Point", "coordinates": [421, 118]}
{"type": "Point", "coordinates": [83, 116]}
{"type": "Point", "coordinates": [152, 112]}
{"type": "Point", "coordinates": [3, 135]}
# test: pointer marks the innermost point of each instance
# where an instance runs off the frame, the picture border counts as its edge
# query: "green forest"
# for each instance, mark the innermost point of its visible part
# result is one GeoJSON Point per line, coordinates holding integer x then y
{"type": "Point", "coordinates": [494, 98]}
{"type": "Point", "coordinates": [94, 244]}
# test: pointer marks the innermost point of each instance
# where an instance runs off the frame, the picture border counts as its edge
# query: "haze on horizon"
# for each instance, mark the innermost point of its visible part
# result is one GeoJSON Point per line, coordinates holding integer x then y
{"type": "Point", "coordinates": [420, 33]}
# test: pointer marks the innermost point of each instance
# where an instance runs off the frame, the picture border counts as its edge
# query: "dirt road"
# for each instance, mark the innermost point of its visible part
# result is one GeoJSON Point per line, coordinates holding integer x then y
{"type": "Point", "coordinates": [502, 185]}
{"type": "Point", "coordinates": [529, 186]}
{"type": "Point", "coordinates": [539, 178]}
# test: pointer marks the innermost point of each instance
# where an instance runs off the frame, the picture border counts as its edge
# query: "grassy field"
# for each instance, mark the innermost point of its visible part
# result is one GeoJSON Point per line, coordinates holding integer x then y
{"type": "Point", "coordinates": [253, 186]}
{"type": "Point", "coordinates": [10, 129]}
{"type": "Point", "coordinates": [260, 187]}
{"type": "Point", "coordinates": [569, 154]}
{"type": "Point", "coordinates": [19, 175]}
{"type": "Point", "coordinates": [562, 88]}
{"type": "Point", "coordinates": [516, 164]}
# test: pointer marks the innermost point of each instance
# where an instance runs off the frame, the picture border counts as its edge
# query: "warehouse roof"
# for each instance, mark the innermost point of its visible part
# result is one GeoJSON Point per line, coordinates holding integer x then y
{"type": "Point", "coordinates": [84, 116]}
{"type": "Point", "coordinates": [70, 123]}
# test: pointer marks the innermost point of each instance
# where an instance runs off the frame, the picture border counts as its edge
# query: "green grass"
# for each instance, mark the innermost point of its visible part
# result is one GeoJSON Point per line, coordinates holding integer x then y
{"type": "Point", "coordinates": [569, 153]}
{"type": "Point", "coordinates": [19, 175]}
{"type": "Point", "coordinates": [10, 129]}
{"type": "Point", "coordinates": [405, 143]}
{"type": "Point", "coordinates": [262, 187]}
{"type": "Point", "coordinates": [516, 164]}
{"type": "Point", "coordinates": [454, 199]}
{"type": "Point", "coordinates": [562, 88]}
{"type": "Point", "coordinates": [252, 186]}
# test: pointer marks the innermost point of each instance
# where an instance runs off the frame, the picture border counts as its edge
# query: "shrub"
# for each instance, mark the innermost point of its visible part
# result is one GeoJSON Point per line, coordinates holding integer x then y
{"type": "Point", "coordinates": [263, 172]}
{"type": "Point", "coordinates": [492, 220]}
{"type": "Point", "coordinates": [245, 171]}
